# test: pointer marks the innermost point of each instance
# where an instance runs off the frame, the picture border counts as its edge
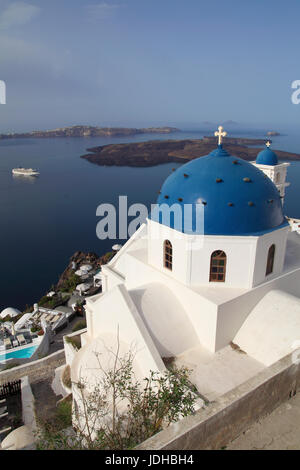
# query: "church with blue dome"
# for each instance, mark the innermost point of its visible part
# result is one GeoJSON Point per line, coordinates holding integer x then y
{"type": "Point", "coordinates": [235, 197]}
{"type": "Point", "coordinates": [267, 162]}
{"type": "Point", "coordinates": [267, 157]}
{"type": "Point", "coordinates": [213, 271]}
{"type": "Point", "coordinates": [220, 206]}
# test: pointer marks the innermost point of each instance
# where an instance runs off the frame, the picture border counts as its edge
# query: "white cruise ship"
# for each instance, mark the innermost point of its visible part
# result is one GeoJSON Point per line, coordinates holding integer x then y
{"type": "Point", "coordinates": [25, 172]}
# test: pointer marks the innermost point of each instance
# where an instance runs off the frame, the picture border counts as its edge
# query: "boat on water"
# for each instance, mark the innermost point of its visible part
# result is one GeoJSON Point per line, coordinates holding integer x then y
{"type": "Point", "coordinates": [25, 171]}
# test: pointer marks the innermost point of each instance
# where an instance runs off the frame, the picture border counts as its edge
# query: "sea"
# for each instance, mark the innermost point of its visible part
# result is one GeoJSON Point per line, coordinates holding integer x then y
{"type": "Point", "coordinates": [45, 220]}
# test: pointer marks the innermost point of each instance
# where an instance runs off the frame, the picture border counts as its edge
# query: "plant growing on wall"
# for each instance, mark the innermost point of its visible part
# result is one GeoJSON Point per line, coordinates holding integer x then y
{"type": "Point", "coordinates": [121, 411]}
{"type": "Point", "coordinates": [80, 325]}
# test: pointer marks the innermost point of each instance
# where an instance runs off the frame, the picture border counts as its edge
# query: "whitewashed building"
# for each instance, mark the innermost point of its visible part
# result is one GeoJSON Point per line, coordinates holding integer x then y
{"type": "Point", "coordinates": [267, 162]}
{"type": "Point", "coordinates": [223, 276]}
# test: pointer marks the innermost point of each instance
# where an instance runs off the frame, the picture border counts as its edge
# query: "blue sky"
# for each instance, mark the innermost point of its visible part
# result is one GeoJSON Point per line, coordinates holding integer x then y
{"type": "Point", "coordinates": [145, 62]}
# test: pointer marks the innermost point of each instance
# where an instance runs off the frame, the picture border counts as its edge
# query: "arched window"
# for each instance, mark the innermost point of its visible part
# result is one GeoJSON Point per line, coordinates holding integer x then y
{"type": "Point", "coordinates": [217, 266]}
{"type": "Point", "coordinates": [270, 260]}
{"type": "Point", "coordinates": [168, 255]}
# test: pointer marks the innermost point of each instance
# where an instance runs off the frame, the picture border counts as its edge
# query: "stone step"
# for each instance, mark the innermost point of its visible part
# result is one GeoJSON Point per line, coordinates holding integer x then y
{"type": "Point", "coordinates": [4, 430]}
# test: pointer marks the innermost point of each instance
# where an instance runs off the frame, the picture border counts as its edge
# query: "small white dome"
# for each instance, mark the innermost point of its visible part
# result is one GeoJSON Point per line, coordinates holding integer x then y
{"type": "Point", "coordinates": [86, 267]}
{"type": "Point", "coordinates": [12, 312]}
{"type": "Point", "coordinates": [117, 247]}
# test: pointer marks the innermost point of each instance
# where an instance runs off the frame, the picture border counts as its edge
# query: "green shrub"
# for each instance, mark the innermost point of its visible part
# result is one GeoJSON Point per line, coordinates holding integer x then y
{"type": "Point", "coordinates": [11, 366]}
{"type": "Point", "coordinates": [74, 340]}
{"type": "Point", "coordinates": [64, 414]}
{"type": "Point", "coordinates": [152, 405]}
{"type": "Point", "coordinates": [44, 300]}
{"type": "Point", "coordinates": [107, 257]}
{"type": "Point", "coordinates": [7, 318]}
{"type": "Point", "coordinates": [79, 325]}
{"type": "Point", "coordinates": [70, 284]}
{"type": "Point", "coordinates": [35, 328]}
{"type": "Point", "coordinates": [66, 377]}
{"type": "Point", "coordinates": [50, 430]}
{"type": "Point", "coordinates": [53, 302]}
{"type": "Point", "coordinates": [28, 309]}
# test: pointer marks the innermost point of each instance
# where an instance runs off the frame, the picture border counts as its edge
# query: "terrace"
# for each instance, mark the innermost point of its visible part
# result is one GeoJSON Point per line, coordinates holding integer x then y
{"type": "Point", "coordinates": [20, 344]}
{"type": "Point", "coordinates": [12, 339]}
{"type": "Point", "coordinates": [53, 318]}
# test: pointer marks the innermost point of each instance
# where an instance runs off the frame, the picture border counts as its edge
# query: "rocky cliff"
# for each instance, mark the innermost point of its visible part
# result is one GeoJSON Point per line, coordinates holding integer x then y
{"type": "Point", "coordinates": [90, 131]}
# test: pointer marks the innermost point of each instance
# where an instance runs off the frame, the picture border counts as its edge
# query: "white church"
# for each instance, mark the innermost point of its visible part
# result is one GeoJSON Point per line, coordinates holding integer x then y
{"type": "Point", "coordinates": [220, 296]}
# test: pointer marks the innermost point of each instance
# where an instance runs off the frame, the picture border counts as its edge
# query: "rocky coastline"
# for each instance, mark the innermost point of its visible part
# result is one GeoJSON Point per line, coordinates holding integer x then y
{"type": "Point", "coordinates": [80, 258]}
{"type": "Point", "coordinates": [90, 131]}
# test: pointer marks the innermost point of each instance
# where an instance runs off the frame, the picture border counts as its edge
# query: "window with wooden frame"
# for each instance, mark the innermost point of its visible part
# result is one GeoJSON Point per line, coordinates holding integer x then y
{"type": "Point", "coordinates": [217, 266]}
{"type": "Point", "coordinates": [168, 255]}
{"type": "Point", "coordinates": [270, 260]}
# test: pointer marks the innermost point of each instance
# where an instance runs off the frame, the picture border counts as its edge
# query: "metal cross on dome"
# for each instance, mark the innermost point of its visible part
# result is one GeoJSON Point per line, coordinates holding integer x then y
{"type": "Point", "coordinates": [268, 144]}
{"type": "Point", "coordinates": [220, 134]}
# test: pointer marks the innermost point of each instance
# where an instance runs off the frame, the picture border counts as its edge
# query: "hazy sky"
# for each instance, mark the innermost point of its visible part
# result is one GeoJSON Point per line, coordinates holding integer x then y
{"type": "Point", "coordinates": [140, 62]}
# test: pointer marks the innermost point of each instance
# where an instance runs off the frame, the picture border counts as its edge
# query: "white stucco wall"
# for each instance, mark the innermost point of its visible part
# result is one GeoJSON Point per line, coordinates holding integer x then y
{"type": "Point", "coordinates": [240, 253]}
{"type": "Point", "coordinates": [157, 234]}
{"type": "Point", "coordinates": [70, 350]}
{"type": "Point", "coordinates": [201, 312]}
{"type": "Point", "coordinates": [277, 174]}
{"type": "Point", "coordinates": [279, 239]}
{"type": "Point", "coordinates": [233, 313]}
{"type": "Point", "coordinates": [246, 256]}
{"type": "Point", "coordinates": [272, 328]}
{"type": "Point", "coordinates": [216, 311]}
{"type": "Point", "coordinates": [165, 318]}
{"type": "Point", "coordinates": [115, 312]}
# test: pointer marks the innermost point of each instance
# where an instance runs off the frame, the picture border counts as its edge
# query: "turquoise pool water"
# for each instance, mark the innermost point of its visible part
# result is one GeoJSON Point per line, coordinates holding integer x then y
{"type": "Point", "coordinates": [21, 354]}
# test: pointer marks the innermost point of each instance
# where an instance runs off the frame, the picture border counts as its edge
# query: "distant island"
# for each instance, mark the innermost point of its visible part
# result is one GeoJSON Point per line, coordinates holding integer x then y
{"type": "Point", "coordinates": [156, 152]}
{"type": "Point", "coordinates": [90, 131]}
{"type": "Point", "coordinates": [272, 133]}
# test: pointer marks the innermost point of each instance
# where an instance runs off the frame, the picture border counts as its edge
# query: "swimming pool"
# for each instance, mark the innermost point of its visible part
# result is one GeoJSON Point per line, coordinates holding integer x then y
{"type": "Point", "coordinates": [21, 353]}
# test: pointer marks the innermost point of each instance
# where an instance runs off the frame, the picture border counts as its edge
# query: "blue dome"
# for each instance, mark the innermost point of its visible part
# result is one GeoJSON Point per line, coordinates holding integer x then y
{"type": "Point", "coordinates": [233, 197]}
{"type": "Point", "coordinates": [267, 157]}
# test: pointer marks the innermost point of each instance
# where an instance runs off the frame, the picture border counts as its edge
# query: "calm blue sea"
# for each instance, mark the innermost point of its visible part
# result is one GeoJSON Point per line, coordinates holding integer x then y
{"type": "Point", "coordinates": [46, 219]}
